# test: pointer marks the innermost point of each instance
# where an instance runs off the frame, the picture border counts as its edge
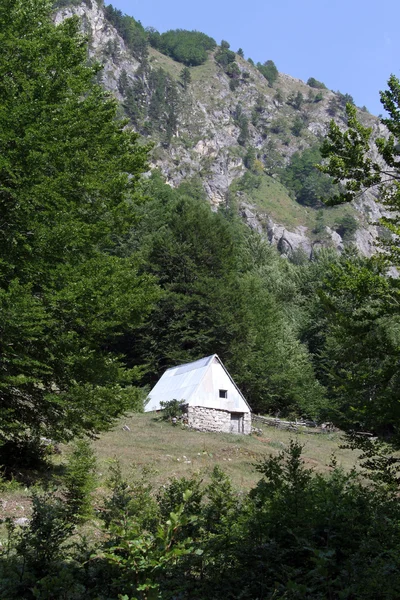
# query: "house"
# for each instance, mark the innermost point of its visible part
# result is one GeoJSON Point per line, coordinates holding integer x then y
{"type": "Point", "coordinates": [212, 401]}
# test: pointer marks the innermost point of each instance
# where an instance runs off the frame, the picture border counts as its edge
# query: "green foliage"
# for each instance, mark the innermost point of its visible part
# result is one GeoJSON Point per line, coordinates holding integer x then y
{"type": "Point", "coordinates": [68, 175]}
{"type": "Point", "coordinates": [295, 535]}
{"type": "Point", "coordinates": [355, 344]}
{"type": "Point", "coordinates": [346, 226]}
{"type": "Point", "coordinates": [224, 56]}
{"type": "Point", "coordinates": [127, 501]}
{"type": "Point", "coordinates": [269, 70]}
{"type": "Point", "coordinates": [233, 71]}
{"type": "Point", "coordinates": [318, 97]}
{"type": "Point", "coordinates": [349, 160]}
{"type": "Point", "coordinates": [298, 125]}
{"type": "Point", "coordinates": [188, 47]}
{"type": "Point", "coordinates": [240, 53]}
{"type": "Point", "coordinates": [215, 300]}
{"type": "Point", "coordinates": [226, 59]}
{"type": "Point", "coordinates": [79, 480]}
{"type": "Point", "coordinates": [241, 120]}
{"type": "Point", "coordinates": [171, 409]}
{"type": "Point", "coordinates": [304, 179]}
{"type": "Point", "coordinates": [131, 31]}
{"type": "Point", "coordinates": [185, 77]}
{"type": "Point", "coordinates": [61, 3]}
{"type": "Point", "coordinates": [295, 100]}
{"type": "Point", "coordinates": [314, 83]}
{"type": "Point", "coordinates": [279, 126]}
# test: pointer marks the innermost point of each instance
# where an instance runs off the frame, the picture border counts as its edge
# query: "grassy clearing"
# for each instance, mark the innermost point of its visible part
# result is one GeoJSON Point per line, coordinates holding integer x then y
{"type": "Point", "coordinates": [272, 197]}
{"type": "Point", "coordinates": [176, 452]}
{"type": "Point", "coordinates": [165, 452]}
{"type": "Point", "coordinates": [172, 67]}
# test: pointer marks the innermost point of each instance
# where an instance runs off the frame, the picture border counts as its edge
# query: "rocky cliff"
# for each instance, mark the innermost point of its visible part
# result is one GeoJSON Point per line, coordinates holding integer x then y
{"type": "Point", "coordinates": [211, 129]}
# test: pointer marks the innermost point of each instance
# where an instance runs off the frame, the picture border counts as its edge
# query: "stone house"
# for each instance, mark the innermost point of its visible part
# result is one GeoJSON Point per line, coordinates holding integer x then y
{"type": "Point", "coordinates": [212, 401]}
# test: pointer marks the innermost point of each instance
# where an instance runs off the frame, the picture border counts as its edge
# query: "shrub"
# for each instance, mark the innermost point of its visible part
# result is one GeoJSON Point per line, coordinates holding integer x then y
{"type": "Point", "coordinates": [269, 70]}
{"type": "Point", "coordinates": [314, 83]}
{"type": "Point", "coordinates": [131, 31]}
{"type": "Point", "coordinates": [224, 57]}
{"type": "Point", "coordinates": [171, 409]}
{"type": "Point", "coordinates": [187, 47]}
{"type": "Point", "coordinates": [346, 226]}
{"type": "Point", "coordinates": [79, 480]}
{"type": "Point", "coordinates": [295, 100]}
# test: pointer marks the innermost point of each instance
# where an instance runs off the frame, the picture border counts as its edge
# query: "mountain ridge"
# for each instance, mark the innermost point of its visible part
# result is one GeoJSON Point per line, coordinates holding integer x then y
{"type": "Point", "coordinates": [207, 128]}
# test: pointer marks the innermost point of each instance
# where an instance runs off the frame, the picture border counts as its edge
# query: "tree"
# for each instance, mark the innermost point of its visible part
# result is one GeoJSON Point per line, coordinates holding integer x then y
{"type": "Point", "coordinates": [314, 83]}
{"type": "Point", "coordinates": [295, 100]}
{"type": "Point", "coordinates": [350, 161]}
{"type": "Point", "coordinates": [68, 175]}
{"type": "Point", "coordinates": [185, 77]}
{"type": "Point", "coordinates": [187, 47]}
{"type": "Point", "coordinates": [217, 279]}
{"type": "Point", "coordinates": [358, 351]}
{"type": "Point", "coordinates": [269, 70]}
{"type": "Point", "coordinates": [305, 180]}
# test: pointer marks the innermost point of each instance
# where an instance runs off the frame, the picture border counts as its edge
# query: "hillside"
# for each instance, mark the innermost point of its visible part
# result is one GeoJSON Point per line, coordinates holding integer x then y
{"type": "Point", "coordinates": [231, 128]}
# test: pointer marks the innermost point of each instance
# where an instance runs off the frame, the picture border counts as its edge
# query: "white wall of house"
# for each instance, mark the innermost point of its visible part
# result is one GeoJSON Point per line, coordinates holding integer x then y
{"type": "Point", "coordinates": [213, 401]}
{"type": "Point", "coordinates": [216, 390]}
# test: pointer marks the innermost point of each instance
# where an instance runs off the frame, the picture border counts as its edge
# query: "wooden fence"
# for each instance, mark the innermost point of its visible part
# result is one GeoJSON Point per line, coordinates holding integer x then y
{"type": "Point", "coordinates": [303, 426]}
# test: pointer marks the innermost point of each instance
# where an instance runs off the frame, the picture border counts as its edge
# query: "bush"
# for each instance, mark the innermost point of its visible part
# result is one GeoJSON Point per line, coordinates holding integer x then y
{"type": "Point", "coordinates": [314, 83]}
{"type": "Point", "coordinates": [269, 70]}
{"type": "Point", "coordinates": [302, 177]}
{"type": "Point", "coordinates": [187, 47]}
{"type": "Point", "coordinates": [79, 480]}
{"type": "Point", "coordinates": [224, 57]}
{"type": "Point", "coordinates": [172, 409]}
{"type": "Point", "coordinates": [131, 31]}
{"type": "Point", "coordinates": [346, 227]}
{"type": "Point", "coordinates": [296, 534]}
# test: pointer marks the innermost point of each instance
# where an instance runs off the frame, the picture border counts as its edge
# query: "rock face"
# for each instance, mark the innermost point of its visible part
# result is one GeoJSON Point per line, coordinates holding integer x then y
{"type": "Point", "coordinates": [216, 124]}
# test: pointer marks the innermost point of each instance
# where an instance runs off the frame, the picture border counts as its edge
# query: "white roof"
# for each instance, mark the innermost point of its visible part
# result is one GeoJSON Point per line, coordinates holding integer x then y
{"type": "Point", "coordinates": [198, 384]}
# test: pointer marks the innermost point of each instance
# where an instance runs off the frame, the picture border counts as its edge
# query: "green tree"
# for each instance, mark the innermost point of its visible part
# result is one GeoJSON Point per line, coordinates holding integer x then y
{"type": "Point", "coordinates": [295, 100]}
{"type": "Point", "coordinates": [187, 47]}
{"type": "Point", "coordinates": [218, 283]}
{"type": "Point", "coordinates": [359, 328]}
{"type": "Point", "coordinates": [185, 77]}
{"type": "Point", "coordinates": [131, 31]}
{"type": "Point", "coordinates": [314, 83]}
{"type": "Point", "coordinates": [350, 162]}
{"type": "Point", "coordinates": [68, 174]}
{"type": "Point", "coordinates": [302, 176]}
{"type": "Point", "coordinates": [269, 70]}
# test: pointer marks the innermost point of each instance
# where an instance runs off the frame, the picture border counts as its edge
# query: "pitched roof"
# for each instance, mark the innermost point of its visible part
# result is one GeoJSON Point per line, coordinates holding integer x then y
{"type": "Point", "coordinates": [183, 381]}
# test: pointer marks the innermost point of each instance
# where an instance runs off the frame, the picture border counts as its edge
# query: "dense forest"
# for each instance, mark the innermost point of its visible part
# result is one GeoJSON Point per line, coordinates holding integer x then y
{"type": "Point", "coordinates": [109, 276]}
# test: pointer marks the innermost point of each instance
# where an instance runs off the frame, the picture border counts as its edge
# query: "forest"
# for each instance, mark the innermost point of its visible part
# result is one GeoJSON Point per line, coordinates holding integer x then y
{"type": "Point", "coordinates": [109, 276]}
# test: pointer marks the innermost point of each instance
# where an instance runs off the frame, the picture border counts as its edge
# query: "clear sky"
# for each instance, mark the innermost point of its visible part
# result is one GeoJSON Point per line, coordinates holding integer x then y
{"type": "Point", "coordinates": [351, 45]}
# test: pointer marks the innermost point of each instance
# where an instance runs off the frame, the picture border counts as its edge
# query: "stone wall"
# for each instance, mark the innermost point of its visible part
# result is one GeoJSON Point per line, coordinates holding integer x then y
{"type": "Point", "coordinates": [247, 423]}
{"type": "Point", "coordinates": [211, 419]}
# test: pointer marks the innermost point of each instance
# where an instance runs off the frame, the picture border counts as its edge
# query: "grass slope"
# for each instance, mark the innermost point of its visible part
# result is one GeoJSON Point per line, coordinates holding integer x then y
{"type": "Point", "coordinates": [176, 452]}
{"type": "Point", "coordinates": [164, 452]}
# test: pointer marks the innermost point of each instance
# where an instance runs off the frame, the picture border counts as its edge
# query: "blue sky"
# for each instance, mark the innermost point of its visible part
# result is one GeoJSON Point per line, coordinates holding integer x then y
{"type": "Point", "coordinates": [351, 45]}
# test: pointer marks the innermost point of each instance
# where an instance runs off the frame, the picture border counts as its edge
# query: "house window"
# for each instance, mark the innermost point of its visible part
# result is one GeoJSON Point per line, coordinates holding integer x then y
{"type": "Point", "coordinates": [223, 393]}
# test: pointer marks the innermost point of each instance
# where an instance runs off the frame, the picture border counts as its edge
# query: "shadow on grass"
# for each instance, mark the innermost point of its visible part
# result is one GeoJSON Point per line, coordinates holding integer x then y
{"type": "Point", "coordinates": [29, 462]}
